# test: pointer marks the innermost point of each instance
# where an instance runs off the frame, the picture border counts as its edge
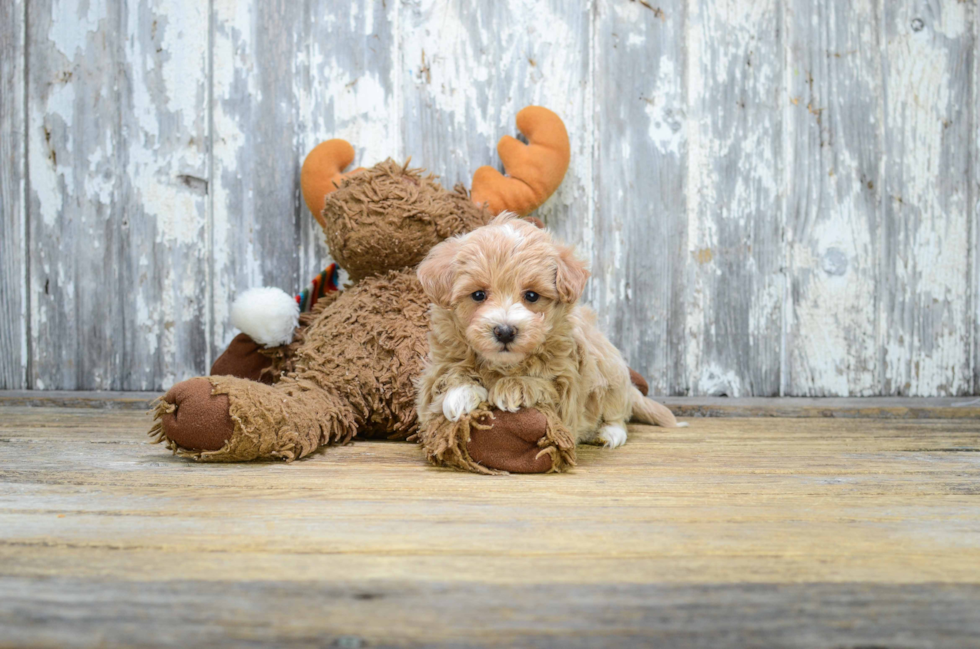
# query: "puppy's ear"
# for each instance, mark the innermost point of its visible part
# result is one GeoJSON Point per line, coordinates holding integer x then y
{"type": "Point", "coordinates": [571, 276]}
{"type": "Point", "coordinates": [436, 272]}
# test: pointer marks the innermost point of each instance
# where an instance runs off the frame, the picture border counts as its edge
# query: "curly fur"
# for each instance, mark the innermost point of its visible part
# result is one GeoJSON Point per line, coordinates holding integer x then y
{"type": "Point", "coordinates": [559, 359]}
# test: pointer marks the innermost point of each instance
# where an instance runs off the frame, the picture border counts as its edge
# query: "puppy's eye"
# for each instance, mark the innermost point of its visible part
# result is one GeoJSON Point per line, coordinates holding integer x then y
{"type": "Point", "coordinates": [479, 296]}
{"type": "Point", "coordinates": [531, 296]}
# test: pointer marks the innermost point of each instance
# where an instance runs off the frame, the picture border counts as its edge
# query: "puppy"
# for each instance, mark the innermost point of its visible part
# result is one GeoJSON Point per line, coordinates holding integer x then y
{"type": "Point", "coordinates": [506, 331]}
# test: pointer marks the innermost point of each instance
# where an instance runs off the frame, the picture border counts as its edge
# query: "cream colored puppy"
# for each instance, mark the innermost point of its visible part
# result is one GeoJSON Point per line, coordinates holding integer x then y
{"type": "Point", "coordinates": [506, 331]}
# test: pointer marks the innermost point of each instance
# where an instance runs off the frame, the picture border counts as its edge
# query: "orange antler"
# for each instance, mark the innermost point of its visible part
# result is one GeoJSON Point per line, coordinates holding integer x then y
{"type": "Point", "coordinates": [322, 173]}
{"type": "Point", "coordinates": [534, 171]}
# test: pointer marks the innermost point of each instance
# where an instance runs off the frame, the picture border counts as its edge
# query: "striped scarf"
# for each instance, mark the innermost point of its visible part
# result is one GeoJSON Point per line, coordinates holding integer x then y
{"type": "Point", "coordinates": [322, 284]}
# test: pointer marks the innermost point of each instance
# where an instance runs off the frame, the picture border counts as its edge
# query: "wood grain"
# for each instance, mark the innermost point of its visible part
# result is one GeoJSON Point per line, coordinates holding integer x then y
{"type": "Point", "coordinates": [794, 407]}
{"type": "Point", "coordinates": [639, 262]}
{"type": "Point", "coordinates": [836, 407]}
{"type": "Point", "coordinates": [799, 532]}
{"type": "Point", "coordinates": [164, 257]}
{"type": "Point", "coordinates": [412, 614]}
{"type": "Point", "coordinates": [346, 87]}
{"type": "Point", "coordinates": [255, 166]}
{"type": "Point", "coordinates": [833, 111]}
{"type": "Point", "coordinates": [466, 71]}
{"type": "Point", "coordinates": [975, 202]}
{"type": "Point", "coordinates": [117, 141]}
{"type": "Point", "coordinates": [284, 80]}
{"type": "Point", "coordinates": [925, 323]}
{"type": "Point", "coordinates": [13, 244]}
{"type": "Point", "coordinates": [776, 197]}
{"type": "Point", "coordinates": [735, 236]}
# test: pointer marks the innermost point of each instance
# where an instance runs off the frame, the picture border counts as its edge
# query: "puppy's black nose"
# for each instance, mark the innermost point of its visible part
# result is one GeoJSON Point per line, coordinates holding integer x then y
{"type": "Point", "coordinates": [504, 333]}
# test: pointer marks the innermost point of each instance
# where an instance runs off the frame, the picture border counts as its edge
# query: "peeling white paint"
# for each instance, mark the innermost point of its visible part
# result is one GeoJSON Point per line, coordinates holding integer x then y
{"type": "Point", "coordinates": [733, 192]}
{"type": "Point", "coordinates": [758, 147]}
{"type": "Point", "coordinates": [920, 110]}
{"type": "Point", "coordinates": [73, 23]}
{"type": "Point", "coordinates": [426, 58]}
{"type": "Point", "coordinates": [663, 107]}
{"type": "Point", "coordinates": [954, 19]}
{"type": "Point", "coordinates": [14, 289]}
{"type": "Point", "coordinates": [166, 170]}
{"type": "Point", "coordinates": [49, 174]}
{"type": "Point", "coordinates": [716, 381]}
{"type": "Point", "coordinates": [233, 63]}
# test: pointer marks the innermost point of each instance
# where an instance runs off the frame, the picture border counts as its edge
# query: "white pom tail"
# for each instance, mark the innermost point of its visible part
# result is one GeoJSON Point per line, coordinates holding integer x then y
{"type": "Point", "coordinates": [268, 315]}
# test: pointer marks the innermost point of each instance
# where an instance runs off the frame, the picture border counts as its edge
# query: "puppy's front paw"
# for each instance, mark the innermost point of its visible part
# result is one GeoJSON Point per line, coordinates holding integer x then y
{"type": "Point", "coordinates": [463, 400]}
{"type": "Point", "coordinates": [508, 401]}
{"type": "Point", "coordinates": [511, 395]}
{"type": "Point", "coordinates": [611, 436]}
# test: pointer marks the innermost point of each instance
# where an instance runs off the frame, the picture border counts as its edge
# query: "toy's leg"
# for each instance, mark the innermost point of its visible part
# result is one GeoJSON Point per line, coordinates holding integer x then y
{"type": "Point", "coordinates": [227, 419]}
{"type": "Point", "coordinates": [528, 441]}
{"type": "Point", "coordinates": [247, 359]}
{"type": "Point", "coordinates": [636, 379]}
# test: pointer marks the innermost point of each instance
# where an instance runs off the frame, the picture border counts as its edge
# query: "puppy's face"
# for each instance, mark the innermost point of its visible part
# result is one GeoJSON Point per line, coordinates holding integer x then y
{"type": "Point", "coordinates": [506, 284]}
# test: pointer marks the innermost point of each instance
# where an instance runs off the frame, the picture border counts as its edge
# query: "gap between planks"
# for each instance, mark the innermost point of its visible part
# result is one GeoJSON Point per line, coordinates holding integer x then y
{"type": "Point", "coordinates": [793, 407]}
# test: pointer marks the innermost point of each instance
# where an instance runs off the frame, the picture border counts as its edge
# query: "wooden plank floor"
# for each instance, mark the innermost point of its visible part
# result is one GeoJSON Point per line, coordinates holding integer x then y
{"type": "Point", "coordinates": [735, 531]}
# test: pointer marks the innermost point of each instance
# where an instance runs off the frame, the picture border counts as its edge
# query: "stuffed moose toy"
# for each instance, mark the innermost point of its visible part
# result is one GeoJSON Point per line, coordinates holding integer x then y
{"type": "Point", "coordinates": [346, 370]}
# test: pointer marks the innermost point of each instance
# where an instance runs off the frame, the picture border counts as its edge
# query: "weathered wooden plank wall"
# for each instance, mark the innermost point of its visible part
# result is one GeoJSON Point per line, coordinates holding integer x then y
{"type": "Point", "coordinates": [13, 270]}
{"type": "Point", "coordinates": [973, 207]}
{"type": "Point", "coordinates": [639, 173]}
{"type": "Point", "coordinates": [117, 157]}
{"type": "Point", "coordinates": [833, 162]}
{"type": "Point", "coordinates": [928, 54]}
{"type": "Point", "coordinates": [777, 196]}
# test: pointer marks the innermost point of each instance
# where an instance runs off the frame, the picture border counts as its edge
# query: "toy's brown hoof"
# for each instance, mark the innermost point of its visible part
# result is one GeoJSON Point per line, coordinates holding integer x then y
{"type": "Point", "coordinates": [195, 419]}
{"type": "Point", "coordinates": [636, 379]}
{"type": "Point", "coordinates": [511, 444]}
{"type": "Point", "coordinates": [244, 360]}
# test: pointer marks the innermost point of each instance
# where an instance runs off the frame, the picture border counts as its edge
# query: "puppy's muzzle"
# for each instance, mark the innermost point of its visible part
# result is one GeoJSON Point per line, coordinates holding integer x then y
{"type": "Point", "coordinates": [504, 333]}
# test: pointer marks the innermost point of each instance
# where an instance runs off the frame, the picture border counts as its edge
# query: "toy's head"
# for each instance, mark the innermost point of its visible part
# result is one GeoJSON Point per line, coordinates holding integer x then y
{"type": "Point", "coordinates": [389, 216]}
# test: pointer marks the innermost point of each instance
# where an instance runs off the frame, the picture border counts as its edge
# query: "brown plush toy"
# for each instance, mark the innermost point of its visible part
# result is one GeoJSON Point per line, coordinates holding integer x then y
{"type": "Point", "coordinates": [348, 369]}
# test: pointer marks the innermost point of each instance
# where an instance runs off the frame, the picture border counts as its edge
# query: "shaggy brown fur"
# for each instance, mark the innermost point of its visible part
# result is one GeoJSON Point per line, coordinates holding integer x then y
{"type": "Point", "coordinates": [350, 370]}
{"type": "Point", "coordinates": [390, 216]}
